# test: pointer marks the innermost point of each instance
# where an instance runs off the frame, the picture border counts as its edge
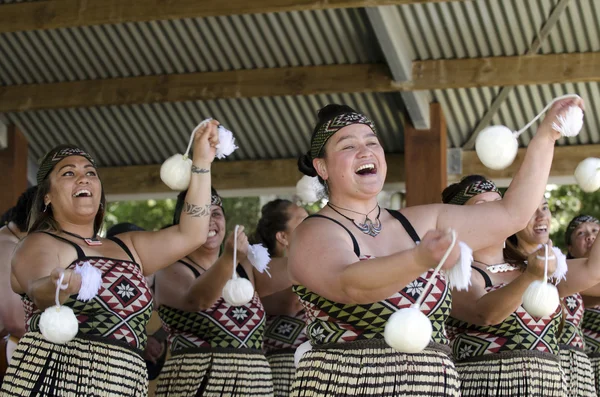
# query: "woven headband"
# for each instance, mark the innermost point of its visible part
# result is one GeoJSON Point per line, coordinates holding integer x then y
{"type": "Point", "coordinates": [473, 190]}
{"type": "Point", "coordinates": [330, 127]}
{"type": "Point", "coordinates": [57, 154]}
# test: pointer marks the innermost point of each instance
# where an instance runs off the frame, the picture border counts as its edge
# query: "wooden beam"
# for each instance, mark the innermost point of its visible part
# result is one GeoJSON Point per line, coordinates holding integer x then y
{"type": "Point", "coordinates": [198, 86]}
{"type": "Point", "coordinates": [226, 175]}
{"type": "Point", "coordinates": [501, 71]}
{"type": "Point", "coordinates": [564, 163]}
{"type": "Point", "coordinates": [427, 75]}
{"type": "Point", "coordinates": [13, 163]}
{"type": "Point", "coordinates": [54, 14]}
{"type": "Point", "coordinates": [425, 159]}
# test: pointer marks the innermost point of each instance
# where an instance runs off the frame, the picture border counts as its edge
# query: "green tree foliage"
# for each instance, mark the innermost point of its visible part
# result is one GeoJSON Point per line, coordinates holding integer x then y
{"type": "Point", "coordinates": [566, 202]}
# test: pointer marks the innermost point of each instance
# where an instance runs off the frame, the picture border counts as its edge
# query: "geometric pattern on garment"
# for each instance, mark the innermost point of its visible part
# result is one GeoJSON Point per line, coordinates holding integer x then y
{"type": "Point", "coordinates": [283, 332]}
{"type": "Point", "coordinates": [222, 325]}
{"type": "Point", "coordinates": [519, 331]}
{"type": "Point", "coordinates": [332, 322]}
{"type": "Point", "coordinates": [121, 309]}
{"type": "Point", "coordinates": [572, 334]}
{"type": "Point", "coordinates": [591, 329]}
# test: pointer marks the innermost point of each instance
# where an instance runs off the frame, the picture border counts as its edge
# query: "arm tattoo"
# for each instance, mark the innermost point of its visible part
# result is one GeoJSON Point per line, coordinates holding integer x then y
{"type": "Point", "coordinates": [197, 170]}
{"type": "Point", "coordinates": [196, 210]}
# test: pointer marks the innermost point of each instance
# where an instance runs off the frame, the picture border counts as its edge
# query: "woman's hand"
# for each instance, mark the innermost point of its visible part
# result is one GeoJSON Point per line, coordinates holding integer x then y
{"type": "Point", "coordinates": [559, 108]}
{"type": "Point", "coordinates": [432, 248]}
{"type": "Point", "coordinates": [206, 140]}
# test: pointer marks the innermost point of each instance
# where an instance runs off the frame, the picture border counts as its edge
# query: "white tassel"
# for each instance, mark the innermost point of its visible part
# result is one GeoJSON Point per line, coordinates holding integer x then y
{"type": "Point", "coordinates": [459, 277]}
{"type": "Point", "coordinates": [308, 189]}
{"type": "Point", "coordinates": [58, 324]}
{"type": "Point", "coordinates": [259, 257]}
{"type": "Point", "coordinates": [571, 123]}
{"type": "Point", "coordinates": [176, 171]}
{"type": "Point", "coordinates": [91, 281]}
{"type": "Point", "coordinates": [300, 350]}
{"type": "Point", "coordinates": [237, 291]}
{"type": "Point", "coordinates": [561, 266]}
{"type": "Point", "coordinates": [226, 144]}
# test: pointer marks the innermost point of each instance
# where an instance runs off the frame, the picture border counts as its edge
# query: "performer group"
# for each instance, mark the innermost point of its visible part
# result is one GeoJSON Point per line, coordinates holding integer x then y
{"type": "Point", "coordinates": [314, 322]}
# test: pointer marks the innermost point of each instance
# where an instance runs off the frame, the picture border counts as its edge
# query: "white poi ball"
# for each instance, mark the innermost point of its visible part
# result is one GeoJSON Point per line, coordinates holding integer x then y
{"type": "Point", "coordinates": [540, 299]}
{"type": "Point", "coordinates": [587, 174]}
{"type": "Point", "coordinates": [408, 330]}
{"type": "Point", "coordinates": [58, 324]}
{"type": "Point", "coordinates": [176, 172]}
{"type": "Point", "coordinates": [307, 189]}
{"type": "Point", "coordinates": [496, 147]}
{"type": "Point", "coordinates": [238, 291]}
{"type": "Point", "coordinates": [300, 350]}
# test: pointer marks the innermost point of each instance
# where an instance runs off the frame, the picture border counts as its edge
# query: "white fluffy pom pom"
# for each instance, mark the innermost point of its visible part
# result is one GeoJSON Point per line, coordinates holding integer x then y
{"type": "Point", "coordinates": [259, 257]}
{"type": "Point", "coordinates": [408, 330]}
{"type": "Point", "coordinates": [226, 144]}
{"type": "Point", "coordinates": [540, 299]}
{"type": "Point", "coordinates": [459, 276]}
{"type": "Point", "coordinates": [308, 188]}
{"type": "Point", "coordinates": [91, 281]}
{"type": "Point", "coordinates": [176, 172]}
{"type": "Point", "coordinates": [496, 147]}
{"type": "Point", "coordinates": [587, 174]}
{"type": "Point", "coordinates": [238, 291]}
{"type": "Point", "coordinates": [561, 266]}
{"type": "Point", "coordinates": [300, 350]}
{"type": "Point", "coordinates": [58, 324]}
{"type": "Point", "coordinates": [571, 123]}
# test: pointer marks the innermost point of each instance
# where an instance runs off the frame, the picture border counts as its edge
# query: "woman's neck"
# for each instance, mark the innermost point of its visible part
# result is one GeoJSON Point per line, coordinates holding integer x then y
{"type": "Point", "coordinates": [349, 203]}
{"type": "Point", "coordinates": [527, 248]}
{"type": "Point", "coordinates": [204, 257]}
{"type": "Point", "coordinates": [489, 256]}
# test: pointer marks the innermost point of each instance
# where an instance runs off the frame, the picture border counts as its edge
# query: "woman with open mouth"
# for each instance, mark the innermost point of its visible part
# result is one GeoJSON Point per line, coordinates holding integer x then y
{"type": "Point", "coordinates": [354, 264]}
{"type": "Point", "coordinates": [104, 358]}
{"type": "Point", "coordinates": [216, 348]}
{"type": "Point", "coordinates": [500, 349]}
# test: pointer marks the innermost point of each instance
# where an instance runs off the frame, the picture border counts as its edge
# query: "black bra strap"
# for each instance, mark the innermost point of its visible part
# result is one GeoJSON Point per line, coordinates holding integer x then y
{"type": "Point", "coordinates": [354, 242]}
{"type": "Point", "coordinates": [80, 253]}
{"type": "Point", "coordinates": [191, 267]}
{"type": "Point", "coordinates": [406, 224]}
{"type": "Point", "coordinates": [124, 246]}
{"type": "Point", "coordinates": [488, 280]}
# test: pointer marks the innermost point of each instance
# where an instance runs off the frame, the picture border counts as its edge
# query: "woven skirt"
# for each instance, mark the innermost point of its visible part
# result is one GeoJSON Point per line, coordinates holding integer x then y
{"type": "Point", "coordinates": [283, 370]}
{"type": "Point", "coordinates": [595, 361]}
{"type": "Point", "coordinates": [81, 367]}
{"type": "Point", "coordinates": [518, 373]}
{"type": "Point", "coordinates": [215, 372]}
{"type": "Point", "coordinates": [372, 368]}
{"type": "Point", "coordinates": [578, 372]}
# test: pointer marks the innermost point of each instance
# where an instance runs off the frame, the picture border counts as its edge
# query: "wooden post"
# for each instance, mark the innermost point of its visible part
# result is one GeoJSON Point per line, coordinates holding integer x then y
{"type": "Point", "coordinates": [425, 160]}
{"type": "Point", "coordinates": [13, 168]}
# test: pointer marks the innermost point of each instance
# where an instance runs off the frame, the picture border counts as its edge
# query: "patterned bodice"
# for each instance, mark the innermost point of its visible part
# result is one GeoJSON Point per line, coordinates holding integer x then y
{"type": "Point", "coordinates": [572, 334]}
{"type": "Point", "coordinates": [121, 309]}
{"type": "Point", "coordinates": [591, 329]}
{"type": "Point", "coordinates": [285, 332]}
{"type": "Point", "coordinates": [519, 331]}
{"type": "Point", "coordinates": [332, 322]}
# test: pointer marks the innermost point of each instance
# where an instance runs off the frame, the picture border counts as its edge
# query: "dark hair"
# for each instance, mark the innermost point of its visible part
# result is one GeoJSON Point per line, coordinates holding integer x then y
{"type": "Point", "coordinates": [20, 212]}
{"type": "Point", "coordinates": [123, 227]}
{"type": "Point", "coordinates": [181, 200]}
{"type": "Point", "coordinates": [42, 218]}
{"type": "Point", "coordinates": [274, 218]}
{"type": "Point", "coordinates": [512, 253]}
{"type": "Point", "coordinates": [305, 162]}
{"type": "Point", "coordinates": [451, 191]}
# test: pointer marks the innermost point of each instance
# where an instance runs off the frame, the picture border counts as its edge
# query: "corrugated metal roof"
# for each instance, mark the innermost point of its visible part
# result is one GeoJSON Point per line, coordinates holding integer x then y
{"type": "Point", "coordinates": [265, 128]}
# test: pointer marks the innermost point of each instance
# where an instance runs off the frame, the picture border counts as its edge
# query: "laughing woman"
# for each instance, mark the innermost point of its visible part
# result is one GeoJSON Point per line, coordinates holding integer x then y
{"type": "Point", "coordinates": [355, 264]}
{"type": "Point", "coordinates": [104, 359]}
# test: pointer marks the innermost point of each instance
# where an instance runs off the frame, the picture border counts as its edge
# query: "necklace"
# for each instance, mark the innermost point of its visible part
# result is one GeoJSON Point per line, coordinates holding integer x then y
{"type": "Point", "coordinates": [498, 268]}
{"type": "Point", "coordinates": [367, 227]}
{"type": "Point", "coordinates": [94, 240]}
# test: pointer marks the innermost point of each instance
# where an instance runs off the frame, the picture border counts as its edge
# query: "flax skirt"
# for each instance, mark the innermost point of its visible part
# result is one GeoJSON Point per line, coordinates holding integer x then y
{"type": "Point", "coordinates": [578, 372]}
{"type": "Point", "coordinates": [215, 372]}
{"type": "Point", "coordinates": [518, 373]}
{"type": "Point", "coordinates": [283, 370]}
{"type": "Point", "coordinates": [82, 367]}
{"type": "Point", "coordinates": [595, 360]}
{"type": "Point", "coordinates": [372, 368]}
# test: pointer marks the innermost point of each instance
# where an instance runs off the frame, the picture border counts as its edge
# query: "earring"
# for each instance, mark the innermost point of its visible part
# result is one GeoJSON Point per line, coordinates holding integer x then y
{"type": "Point", "coordinates": [46, 207]}
{"type": "Point", "coordinates": [504, 244]}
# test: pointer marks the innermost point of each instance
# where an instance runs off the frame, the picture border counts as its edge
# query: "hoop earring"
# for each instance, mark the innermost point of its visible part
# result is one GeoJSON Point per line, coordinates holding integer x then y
{"type": "Point", "coordinates": [45, 207]}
